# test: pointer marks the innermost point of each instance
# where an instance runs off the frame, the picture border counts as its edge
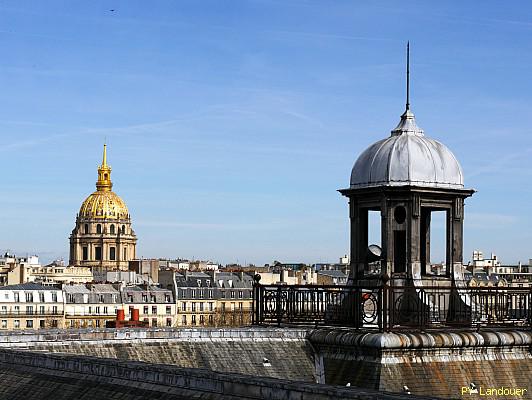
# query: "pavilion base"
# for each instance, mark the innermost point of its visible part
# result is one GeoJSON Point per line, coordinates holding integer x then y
{"type": "Point", "coordinates": [436, 363]}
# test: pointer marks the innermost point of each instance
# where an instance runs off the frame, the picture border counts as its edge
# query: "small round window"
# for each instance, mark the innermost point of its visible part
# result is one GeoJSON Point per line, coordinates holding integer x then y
{"type": "Point", "coordinates": [399, 214]}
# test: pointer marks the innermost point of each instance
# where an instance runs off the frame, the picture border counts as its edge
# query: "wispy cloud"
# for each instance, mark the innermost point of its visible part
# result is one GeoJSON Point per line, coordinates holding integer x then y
{"type": "Point", "coordinates": [496, 164]}
{"type": "Point", "coordinates": [331, 36]}
{"type": "Point", "coordinates": [489, 220]}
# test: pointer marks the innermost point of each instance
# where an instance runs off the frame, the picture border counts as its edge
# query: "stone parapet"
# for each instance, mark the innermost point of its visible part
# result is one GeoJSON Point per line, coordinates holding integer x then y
{"type": "Point", "coordinates": [421, 340]}
{"type": "Point", "coordinates": [58, 336]}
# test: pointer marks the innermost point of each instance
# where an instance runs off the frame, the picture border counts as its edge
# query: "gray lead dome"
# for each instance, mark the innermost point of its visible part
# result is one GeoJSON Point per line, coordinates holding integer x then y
{"type": "Point", "coordinates": [407, 158]}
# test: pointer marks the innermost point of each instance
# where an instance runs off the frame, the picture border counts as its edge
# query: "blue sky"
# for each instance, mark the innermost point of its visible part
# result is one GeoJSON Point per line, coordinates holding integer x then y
{"type": "Point", "coordinates": [231, 124]}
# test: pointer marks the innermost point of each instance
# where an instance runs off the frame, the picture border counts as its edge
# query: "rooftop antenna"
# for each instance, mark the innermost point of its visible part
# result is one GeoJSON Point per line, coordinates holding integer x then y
{"type": "Point", "coordinates": [408, 75]}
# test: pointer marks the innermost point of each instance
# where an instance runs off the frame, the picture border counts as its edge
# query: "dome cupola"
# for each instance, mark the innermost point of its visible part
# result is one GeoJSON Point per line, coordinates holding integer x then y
{"type": "Point", "coordinates": [407, 158]}
{"type": "Point", "coordinates": [103, 237]}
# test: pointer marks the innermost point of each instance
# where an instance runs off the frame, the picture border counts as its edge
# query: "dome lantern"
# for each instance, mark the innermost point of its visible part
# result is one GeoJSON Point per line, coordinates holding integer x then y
{"type": "Point", "coordinates": [104, 183]}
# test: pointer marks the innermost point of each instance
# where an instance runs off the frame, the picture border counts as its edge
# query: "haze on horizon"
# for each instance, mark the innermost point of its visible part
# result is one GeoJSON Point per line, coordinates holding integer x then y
{"type": "Point", "coordinates": [231, 125]}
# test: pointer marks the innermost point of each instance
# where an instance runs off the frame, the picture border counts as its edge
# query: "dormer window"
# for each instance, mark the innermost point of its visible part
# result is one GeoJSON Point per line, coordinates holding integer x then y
{"type": "Point", "coordinates": [199, 282]}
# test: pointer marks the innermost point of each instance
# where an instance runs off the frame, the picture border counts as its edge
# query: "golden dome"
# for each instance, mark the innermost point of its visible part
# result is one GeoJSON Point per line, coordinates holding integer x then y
{"type": "Point", "coordinates": [104, 203]}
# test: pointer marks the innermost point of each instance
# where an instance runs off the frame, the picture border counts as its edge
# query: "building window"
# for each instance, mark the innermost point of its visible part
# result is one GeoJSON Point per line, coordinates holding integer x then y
{"type": "Point", "coordinates": [193, 293]}
{"type": "Point", "coordinates": [4, 309]}
{"type": "Point", "coordinates": [16, 324]}
{"type": "Point", "coordinates": [54, 297]}
{"type": "Point", "coordinates": [168, 310]}
{"type": "Point", "coordinates": [17, 310]}
{"type": "Point", "coordinates": [41, 309]}
{"type": "Point", "coordinates": [167, 298]}
{"type": "Point", "coordinates": [112, 229]}
{"type": "Point", "coordinates": [240, 306]}
{"type": "Point", "coordinates": [184, 319]}
{"type": "Point", "coordinates": [146, 309]}
{"type": "Point", "coordinates": [184, 306]}
{"type": "Point", "coordinates": [201, 306]}
{"type": "Point", "coordinates": [193, 307]}
{"type": "Point", "coordinates": [41, 297]}
{"type": "Point", "coordinates": [29, 310]}
{"type": "Point", "coordinates": [98, 310]}
{"type": "Point", "coordinates": [232, 294]}
{"type": "Point", "coordinates": [29, 297]}
{"type": "Point", "coordinates": [222, 294]}
{"type": "Point", "coordinates": [123, 229]}
{"type": "Point", "coordinates": [202, 319]}
{"type": "Point", "coordinates": [86, 228]}
{"type": "Point", "coordinates": [112, 253]}
{"type": "Point", "coordinates": [4, 324]}
{"type": "Point", "coordinates": [54, 323]}
{"type": "Point", "coordinates": [168, 321]}
{"type": "Point", "coordinates": [85, 253]}
{"type": "Point", "coordinates": [154, 322]}
{"type": "Point", "coordinates": [16, 296]}
{"type": "Point", "coordinates": [154, 310]}
{"type": "Point", "coordinates": [98, 250]}
{"type": "Point", "coordinates": [210, 293]}
{"type": "Point", "coordinates": [240, 294]}
{"type": "Point", "coordinates": [211, 306]}
{"type": "Point", "coordinates": [54, 310]}
{"type": "Point", "coordinates": [98, 228]}
{"type": "Point", "coordinates": [105, 310]}
{"type": "Point", "coordinates": [193, 322]}
{"type": "Point", "coordinates": [97, 323]}
{"type": "Point", "coordinates": [41, 323]}
{"type": "Point", "coordinates": [211, 319]}
{"type": "Point", "coordinates": [29, 323]}
{"type": "Point", "coordinates": [153, 299]}
{"type": "Point", "coordinates": [223, 307]}
{"type": "Point", "coordinates": [145, 298]}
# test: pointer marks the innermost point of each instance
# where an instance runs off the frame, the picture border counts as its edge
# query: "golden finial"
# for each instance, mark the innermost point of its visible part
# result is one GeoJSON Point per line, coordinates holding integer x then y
{"type": "Point", "coordinates": [104, 174]}
{"type": "Point", "coordinates": [104, 162]}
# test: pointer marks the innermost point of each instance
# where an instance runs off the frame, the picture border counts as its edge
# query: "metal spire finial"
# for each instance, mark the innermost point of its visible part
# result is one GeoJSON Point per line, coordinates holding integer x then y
{"type": "Point", "coordinates": [408, 75]}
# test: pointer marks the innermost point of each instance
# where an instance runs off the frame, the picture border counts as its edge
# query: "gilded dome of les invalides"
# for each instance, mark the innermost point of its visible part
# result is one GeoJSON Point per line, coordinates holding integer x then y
{"type": "Point", "coordinates": [104, 203]}
{"type": "Point", "coordinates": [103, 237]}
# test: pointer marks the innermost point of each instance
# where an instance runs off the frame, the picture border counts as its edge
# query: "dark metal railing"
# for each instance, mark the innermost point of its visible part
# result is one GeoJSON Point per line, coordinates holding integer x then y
{"type": "Point", "coordinates": [386, 307]}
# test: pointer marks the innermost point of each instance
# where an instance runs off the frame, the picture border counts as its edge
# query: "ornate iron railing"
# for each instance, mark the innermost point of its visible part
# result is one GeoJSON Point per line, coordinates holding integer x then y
{"type": "Point", "coordinates": [387, 307]}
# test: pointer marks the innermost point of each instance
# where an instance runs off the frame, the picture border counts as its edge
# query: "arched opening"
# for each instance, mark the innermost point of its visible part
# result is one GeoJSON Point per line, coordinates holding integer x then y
{"type": "Point", "coordinates": [86, 228]}
{"type": "Point", "coordinates": [112, 229]}
{"type": "Point", "coordinates": [98, 228]}
{"type": "Point", "coordinates": [123, 229]}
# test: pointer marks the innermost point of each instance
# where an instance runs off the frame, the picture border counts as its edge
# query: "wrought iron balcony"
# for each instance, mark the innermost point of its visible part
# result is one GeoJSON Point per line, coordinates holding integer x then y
{"type": "Point", "coordinates": [385, 308]}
